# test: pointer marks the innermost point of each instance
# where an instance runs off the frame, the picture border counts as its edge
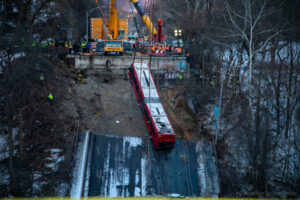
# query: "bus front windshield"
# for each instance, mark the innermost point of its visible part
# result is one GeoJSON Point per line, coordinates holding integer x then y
{"type": "Point", "coordinates": [113, 43]}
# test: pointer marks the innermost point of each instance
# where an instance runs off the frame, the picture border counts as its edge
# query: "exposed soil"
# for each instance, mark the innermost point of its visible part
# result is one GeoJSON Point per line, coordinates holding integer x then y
{"type": "Point", "coordinates": [182, 118]}
{"type": "Point", "coordinates": [105, 104]}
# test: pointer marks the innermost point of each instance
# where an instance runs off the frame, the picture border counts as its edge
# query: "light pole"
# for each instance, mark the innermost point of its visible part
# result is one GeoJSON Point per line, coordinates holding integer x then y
{"type": "Point", "coordinates": [177, 34]}
{"type": "Point", "coordinates": [87, 22]}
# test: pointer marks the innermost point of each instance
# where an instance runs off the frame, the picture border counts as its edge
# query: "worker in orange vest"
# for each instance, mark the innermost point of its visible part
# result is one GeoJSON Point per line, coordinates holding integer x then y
{"type": "Point", "coordinates": [153, 49]}
{"type": "Point", "coordinates": [187, 57]}
{"type": "Point", "coordinates": [167, 49]}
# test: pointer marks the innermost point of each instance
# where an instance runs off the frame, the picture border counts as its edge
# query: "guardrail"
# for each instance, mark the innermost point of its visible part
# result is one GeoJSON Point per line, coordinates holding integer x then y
{"type": "Point", "coordinates": [73, 160]}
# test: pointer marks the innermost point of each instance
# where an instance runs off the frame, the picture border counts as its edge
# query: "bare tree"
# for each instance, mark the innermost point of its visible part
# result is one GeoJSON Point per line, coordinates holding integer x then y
{"type": "Point", "coordinates": [246, 23]}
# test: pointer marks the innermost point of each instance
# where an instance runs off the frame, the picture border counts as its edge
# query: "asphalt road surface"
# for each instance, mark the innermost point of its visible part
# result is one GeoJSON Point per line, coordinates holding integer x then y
{"type": "Point", "coordinates": [130, 166]}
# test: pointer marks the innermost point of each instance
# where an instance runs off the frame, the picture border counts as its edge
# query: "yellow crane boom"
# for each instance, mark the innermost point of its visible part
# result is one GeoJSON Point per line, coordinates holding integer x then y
{"type": "Point", "coordinates": [144, 16]}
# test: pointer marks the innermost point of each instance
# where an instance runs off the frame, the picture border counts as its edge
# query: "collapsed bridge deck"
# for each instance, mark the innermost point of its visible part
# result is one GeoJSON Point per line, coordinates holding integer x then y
{"type": "Point", "coordinates": [128, 166]}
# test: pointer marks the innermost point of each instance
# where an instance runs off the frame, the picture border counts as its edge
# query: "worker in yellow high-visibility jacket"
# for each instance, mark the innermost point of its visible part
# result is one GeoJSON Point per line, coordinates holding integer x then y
{"type": "Point", "coordinates": [51, 98]}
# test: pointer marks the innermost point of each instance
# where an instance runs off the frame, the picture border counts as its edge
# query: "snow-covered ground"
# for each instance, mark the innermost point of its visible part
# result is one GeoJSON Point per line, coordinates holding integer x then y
{"type": "Point", "coordinates": [52, 162]}
{"type": "Point", "coordinates": [79, 166]}
{"type": "Point", "coordinates": [4, 154]}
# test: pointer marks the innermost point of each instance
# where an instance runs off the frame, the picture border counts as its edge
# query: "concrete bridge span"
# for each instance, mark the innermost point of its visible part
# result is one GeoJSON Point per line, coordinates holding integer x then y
{"type": "Point", "coordinates": [123, 62]}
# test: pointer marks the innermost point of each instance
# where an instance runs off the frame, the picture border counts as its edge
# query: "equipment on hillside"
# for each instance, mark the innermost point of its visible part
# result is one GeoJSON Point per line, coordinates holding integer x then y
{"type": "Point", "coordinates": [178, 47]}
{"type": "Point", "coordinates": [114, 32]}
{"type": "Point", "coordinates": [113, 47]}
{"type": "Point", "coordinates": [115, 27]}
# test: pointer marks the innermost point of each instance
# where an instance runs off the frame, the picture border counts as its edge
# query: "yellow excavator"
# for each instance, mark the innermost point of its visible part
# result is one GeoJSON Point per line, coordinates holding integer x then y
{"type": "Point", "coordinates": [117, 28]}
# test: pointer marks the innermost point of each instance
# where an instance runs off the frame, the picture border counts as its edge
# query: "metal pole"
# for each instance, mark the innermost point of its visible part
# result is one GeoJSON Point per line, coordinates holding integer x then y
{"type": "Point", "coordinates": [87, 25]}
{"type": "Point", "coordinates": [87, 21]}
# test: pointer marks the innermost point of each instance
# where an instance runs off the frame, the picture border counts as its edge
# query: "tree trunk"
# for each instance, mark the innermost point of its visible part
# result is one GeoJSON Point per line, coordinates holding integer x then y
{"type": "Point", "coordinates": [21, 143]}
{"type": "Point", "coordinates": [11, 152]}
{"type": "Point", "coordinates": [278, 98]}
{"type": "Point", "coordinates": [288, 113]}
{"type": "Point", "coordinates": [258, 104]}
{"type": "Point", "coordinates": [203, 72]}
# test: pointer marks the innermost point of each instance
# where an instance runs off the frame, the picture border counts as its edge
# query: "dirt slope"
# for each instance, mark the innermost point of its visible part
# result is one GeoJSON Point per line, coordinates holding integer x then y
{"type": "Point", "coordinates": [105, 104]}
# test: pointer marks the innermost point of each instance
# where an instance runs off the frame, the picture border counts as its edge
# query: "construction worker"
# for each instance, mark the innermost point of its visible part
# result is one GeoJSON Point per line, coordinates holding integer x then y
{"type": "Point", "coordinates": [173, 103]}
{"type": "Point", "coordinates": [238, 82]}
{"type": "Point", "coordinates": [161, 49]}
{"type": "Point", "coordinates": [153, 49]}
{"type": "Point", "coordinates": [167, 50]}
{"type": "Point", "coordinates": [56, 45]}
{"type": "Point", "coordinates": [42, 79]}
{"type": "Point", "coordinates": [88, 47]}
{"type": "Point", "coordinates": [83, 47]}
{"type": "Point", "coordinates": [44, 46]}
{"type": "Point", "coordinates": [51, 45]}
{"type": "Point", "coordinates": [66, 44]}
{"type": "Point", "coordinates": [188, 58]}
{"type": "Point", "coordinates": [180, 77]}
{"type": "Point", "coordinates": [212, 83]}
{"type": "Point", "coordinates": [50, 98]}
{"type": "Point", "coordinates": [70, 47]}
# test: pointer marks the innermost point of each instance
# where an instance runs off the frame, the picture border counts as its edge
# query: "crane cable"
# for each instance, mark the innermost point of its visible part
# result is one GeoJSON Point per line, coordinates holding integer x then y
{"type": "Point", "coordinates": [159, 5]}
{"type": "Point", "coordinates": [106, 22]}
{"type": "Point", "coordinates": [123, 6]}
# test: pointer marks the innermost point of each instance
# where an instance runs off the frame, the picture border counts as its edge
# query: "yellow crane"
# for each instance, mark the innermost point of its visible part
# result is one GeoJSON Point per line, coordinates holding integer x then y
{"type": "Point", "coordinates": [117, 28]}
{"type": "Point", "coordinates": [113, 24]}
{"type": "Point", "coordinates": [144, 16]}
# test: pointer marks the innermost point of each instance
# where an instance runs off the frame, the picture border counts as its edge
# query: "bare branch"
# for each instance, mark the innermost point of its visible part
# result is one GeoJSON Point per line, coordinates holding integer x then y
{"type": "Point", "coordinates": [262, 32]}
{"type": "Point", "coordinates": [235, 24]}
{"type": "Point", "coordinates": [266, 42]}
{"type": "Point", "coordinates": [259, 15]}
{"type": "Point", "coordinates": [221, 43]}
{"type": "Point", "coordinates": [236, 14]}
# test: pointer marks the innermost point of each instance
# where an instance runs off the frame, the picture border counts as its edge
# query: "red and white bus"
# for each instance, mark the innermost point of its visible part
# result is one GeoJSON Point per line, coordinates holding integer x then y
{"type": "Point", "coordinates": [154, 115]}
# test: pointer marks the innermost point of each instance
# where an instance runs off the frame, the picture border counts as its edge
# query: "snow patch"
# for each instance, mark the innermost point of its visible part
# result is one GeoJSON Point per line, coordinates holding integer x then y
{"type": "Point", "coordinates": [36, 186]}
{"type": "Point", "coordinates": [54, 158]}
{"type": "Point", "coordinates": [133, 141]}
{"type": "Point", "coordinates": [4, 148]}
{"type": "Point", "coordinates": [144, 170]}
{"type": "Point", "coordinates": [78, 171]}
